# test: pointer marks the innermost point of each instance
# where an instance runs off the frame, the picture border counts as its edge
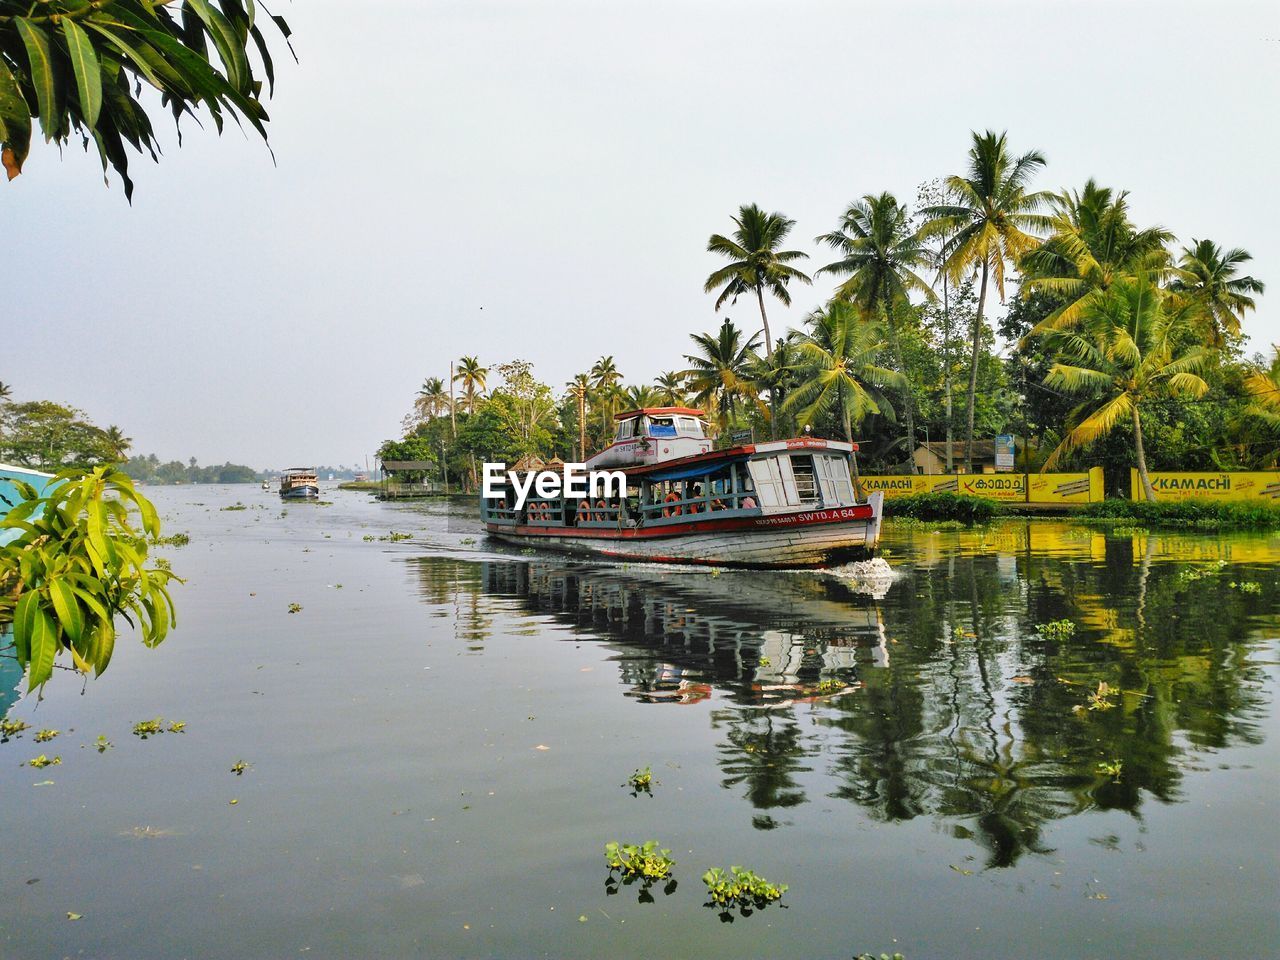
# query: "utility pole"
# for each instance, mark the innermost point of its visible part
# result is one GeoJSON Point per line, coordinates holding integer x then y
{"type": "Point", "coordinates": [453, 419]}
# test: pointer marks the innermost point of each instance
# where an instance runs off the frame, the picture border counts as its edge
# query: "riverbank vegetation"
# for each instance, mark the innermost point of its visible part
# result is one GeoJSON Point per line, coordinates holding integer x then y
{"type": "Point", "coordinates": [1117, 343]}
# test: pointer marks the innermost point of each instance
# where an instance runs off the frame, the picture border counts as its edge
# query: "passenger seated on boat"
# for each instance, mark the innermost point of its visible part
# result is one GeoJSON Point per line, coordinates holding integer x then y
{"type": "Point", "coordinates": [696, 494]}
{"type": "Point", "coordinates": [748, 502]}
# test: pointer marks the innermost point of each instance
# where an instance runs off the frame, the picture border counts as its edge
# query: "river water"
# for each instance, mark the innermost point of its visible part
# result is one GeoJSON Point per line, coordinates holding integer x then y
{"type": "Point", "coordinates": [437, 744]}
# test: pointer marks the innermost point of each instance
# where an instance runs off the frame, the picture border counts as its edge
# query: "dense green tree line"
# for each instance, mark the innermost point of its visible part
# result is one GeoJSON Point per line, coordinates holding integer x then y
{"type": "Point", "coordinates": [49, 436]}
{"type": "Point", "coordinates": [1115, 345]}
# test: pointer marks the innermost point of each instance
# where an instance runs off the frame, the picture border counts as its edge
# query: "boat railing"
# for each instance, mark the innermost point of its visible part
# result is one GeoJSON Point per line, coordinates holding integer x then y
{"type": "Point", "coordinates": [601, 513]}
{"type": "Point", "coordinates": [681, 508]}
{"type": "Point", "coordinates": [546, 513]}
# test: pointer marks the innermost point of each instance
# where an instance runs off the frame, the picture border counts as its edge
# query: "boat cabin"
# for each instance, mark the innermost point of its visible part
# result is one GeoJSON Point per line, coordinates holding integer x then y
{"type": "Point", "coordinates": [784, 476]}
{"type": "Point", "coordinates": [652, 435]}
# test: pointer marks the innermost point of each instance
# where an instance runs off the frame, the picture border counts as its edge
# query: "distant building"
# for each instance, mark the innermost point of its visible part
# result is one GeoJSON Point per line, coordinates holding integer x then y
{"type": "Point", "coordinates": [931, 458]}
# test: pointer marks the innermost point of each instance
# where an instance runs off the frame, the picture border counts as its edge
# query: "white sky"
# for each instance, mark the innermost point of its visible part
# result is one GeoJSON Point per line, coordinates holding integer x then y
{"type": "Point", "coordinates": [538, 180]}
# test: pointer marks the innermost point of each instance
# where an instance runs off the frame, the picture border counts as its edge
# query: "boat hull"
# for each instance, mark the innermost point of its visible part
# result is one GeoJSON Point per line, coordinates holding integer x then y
{"type": "Point", "coordinates": [301, 493]}
{"type": "Point", "coordinates": [803, 539]}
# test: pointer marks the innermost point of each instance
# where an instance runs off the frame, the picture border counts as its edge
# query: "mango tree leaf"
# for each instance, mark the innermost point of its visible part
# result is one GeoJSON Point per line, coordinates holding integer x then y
{"type": "Point", "coordinates": [229, 46]}
{"type": "Point", "coordinates": [44, 77]}
{"type": "Point", "coordinates": [67, 608]}
{"type": "Point", "coordinates": [43, 643]}
{"type": "Point", "coordinates": [84, 63]}
{"type": "Point", "coordinates": [15, 122]}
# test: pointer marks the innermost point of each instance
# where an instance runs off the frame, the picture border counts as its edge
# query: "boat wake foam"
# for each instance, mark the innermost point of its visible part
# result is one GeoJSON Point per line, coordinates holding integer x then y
{"type": "Point", "coordinates": [873, 576]}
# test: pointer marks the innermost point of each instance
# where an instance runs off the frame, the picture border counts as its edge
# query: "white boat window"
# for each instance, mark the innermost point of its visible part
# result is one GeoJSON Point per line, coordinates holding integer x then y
{"type": "Point", "coordinates": [837, 486]}
{"type": "Point", "coordinates": [662, 427]}
{"type": "Point", "coordinates": [691, 427]}
{"type": "Point", "coordinates": [626, 429]}
{"type": "Point", "coordinates": [775, 483]}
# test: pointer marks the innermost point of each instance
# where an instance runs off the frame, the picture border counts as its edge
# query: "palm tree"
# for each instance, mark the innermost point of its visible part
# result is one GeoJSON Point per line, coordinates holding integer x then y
{"type": "Point", "coordinates": [1092, 244]}
{"type": "Point", "coordinates": [605, 377]}
{"type": "Point", "coordinates": [671, 389]}
{"type": "Point", "coordinates": [838, 368]}
{"type": "Point", "coordinates": [987, 222]}
{"type": "Point", "coordinates": [579, 388]}
{"type": "Point", "coordinates": [1264, 387]}
{"type": "Point", "coordinates": [6, 392]}
{"type": "Point", "coordinates": [117, 441]}
{"type": "Point", "coordinates": [1208, 274]}
{"type": "Point", "coordinates": [642, 395]}
{"type": "Point", "coordinates": [1129, 347]}
{"type": "Point", "coordinates": [880, 253]}
{"type": "Point", "coordinates": [777, 374]}
{"type": "Point", "coordinates": [719, 374]}
{"type": "Point", "coordinates": [472, 377]}
{"type": "Point", "coordinates": [756, 264]}
{"type": "Point", "coordinates": [432, 398]}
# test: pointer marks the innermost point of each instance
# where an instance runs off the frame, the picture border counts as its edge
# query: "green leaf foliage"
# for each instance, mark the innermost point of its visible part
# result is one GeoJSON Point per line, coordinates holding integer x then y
{"type": "Point", "coordinates": [78, 562]}
{"type": "Point", "coordinates": [80, 68]}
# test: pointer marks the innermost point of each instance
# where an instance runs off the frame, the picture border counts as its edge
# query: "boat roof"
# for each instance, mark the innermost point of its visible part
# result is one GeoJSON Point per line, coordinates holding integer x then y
{"type": "Point", "coordinates": [661, 411]}
{"type": "Point", "coordinates": [716, 457]}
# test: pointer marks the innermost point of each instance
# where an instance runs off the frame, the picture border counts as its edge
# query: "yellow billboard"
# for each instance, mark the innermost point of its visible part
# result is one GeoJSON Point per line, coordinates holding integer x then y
{"type": "Point", "coordinates": [1262, 486]}
{"type": "Point", "coordinates": [1035, 488]}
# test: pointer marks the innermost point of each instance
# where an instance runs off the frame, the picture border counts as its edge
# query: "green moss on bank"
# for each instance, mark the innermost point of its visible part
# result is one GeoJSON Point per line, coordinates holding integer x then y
{"type": "Point", "coordinates": [1186, 513]}
{"type": "Point", "coordinates": [943, 506]}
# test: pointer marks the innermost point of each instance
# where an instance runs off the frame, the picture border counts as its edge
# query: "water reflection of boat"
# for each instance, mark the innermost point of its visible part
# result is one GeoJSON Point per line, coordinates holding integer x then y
{"type": "Point", "coordinates": [763, 637]}
{"type": "Point", "coordinates": [784, 503]}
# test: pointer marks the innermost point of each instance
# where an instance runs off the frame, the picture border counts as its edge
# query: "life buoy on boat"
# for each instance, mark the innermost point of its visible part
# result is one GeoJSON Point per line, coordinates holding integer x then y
{"type": "Point", "coordinates": [670, 511]}
{"type": "Point", "coordinates": [584, 511]}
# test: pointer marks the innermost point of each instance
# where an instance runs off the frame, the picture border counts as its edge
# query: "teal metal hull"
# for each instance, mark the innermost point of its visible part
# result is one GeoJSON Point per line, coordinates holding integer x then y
{"type": "Point", "coordinates": [9, 497]}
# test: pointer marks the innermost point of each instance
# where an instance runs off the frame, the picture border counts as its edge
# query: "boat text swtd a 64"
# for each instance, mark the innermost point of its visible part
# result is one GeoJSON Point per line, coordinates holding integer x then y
{"type": "Point", "coordinates": [662, 493]}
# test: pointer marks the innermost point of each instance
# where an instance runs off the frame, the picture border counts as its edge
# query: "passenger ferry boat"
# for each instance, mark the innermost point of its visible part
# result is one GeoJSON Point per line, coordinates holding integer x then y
{"type": "Point", "coordinates": [784, 503]}
{"type": "Point", "coordinates": [299, 483]}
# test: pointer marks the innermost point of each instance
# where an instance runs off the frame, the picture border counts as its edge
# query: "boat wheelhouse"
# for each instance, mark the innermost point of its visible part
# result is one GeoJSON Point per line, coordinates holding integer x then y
{"type": "Point", "coordinates": [783, 503]}
{"type": "Point", "coordinates": [299, 483]}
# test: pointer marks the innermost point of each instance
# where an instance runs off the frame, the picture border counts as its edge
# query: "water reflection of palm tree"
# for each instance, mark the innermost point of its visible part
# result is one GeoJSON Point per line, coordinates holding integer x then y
{"type": "Point", "coordinates": [765, 750]}
{"type": "Point", "coordinates": [976, 721]}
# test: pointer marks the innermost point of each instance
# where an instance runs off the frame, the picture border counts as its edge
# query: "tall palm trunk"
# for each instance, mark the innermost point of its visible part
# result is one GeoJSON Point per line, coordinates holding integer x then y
{"type": "Point", "coordinates": [1142, 456]}
{"type": "Point", "coordinates": [453, 415]}
{"type": "Point", "coordinates": [973, 368]}
{"type": "Point", "coordinates": [768, 352]}
{"type": "Point", "coordinates": [582, 427]}
{"type": "Point", "coordinates": [908, 405]}
{"type": "Point", "coordinates": [946, 372]}
{"type": "Point", "coordinates": [844, 413]}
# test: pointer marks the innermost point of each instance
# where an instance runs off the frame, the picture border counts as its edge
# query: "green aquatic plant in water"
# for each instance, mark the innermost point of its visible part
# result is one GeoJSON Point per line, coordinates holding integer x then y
{"type": "Point", "coordinates": [43, 736]}
{"type": "Point", "coordinates": [1057, 630]}
{"type": "Point", "coordinates": [1246, 586]}
{"type": "Point", "coordinates": [1101, 699]}
{"type": "Point", "coordinates": [76, 563]}
{"type": "Point", "coordinates": [644, 864]}
{"type": "Point", "coordinates": [10, 728]}
{"type": "Point", "coordinates": [740, 888]}
{"type": "Point", "coordinates": [42, 761]}
{"type": "Point", "coordinates": [155, 726]}
{"type": "Point", "coordinates": [641, 782]}
{"type": "Point", "coordinates": [645, 860]}
{"type": "Point", "coordinates": [1111, 768]}
{"type": "Point", "coordinates": [829, 686]}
